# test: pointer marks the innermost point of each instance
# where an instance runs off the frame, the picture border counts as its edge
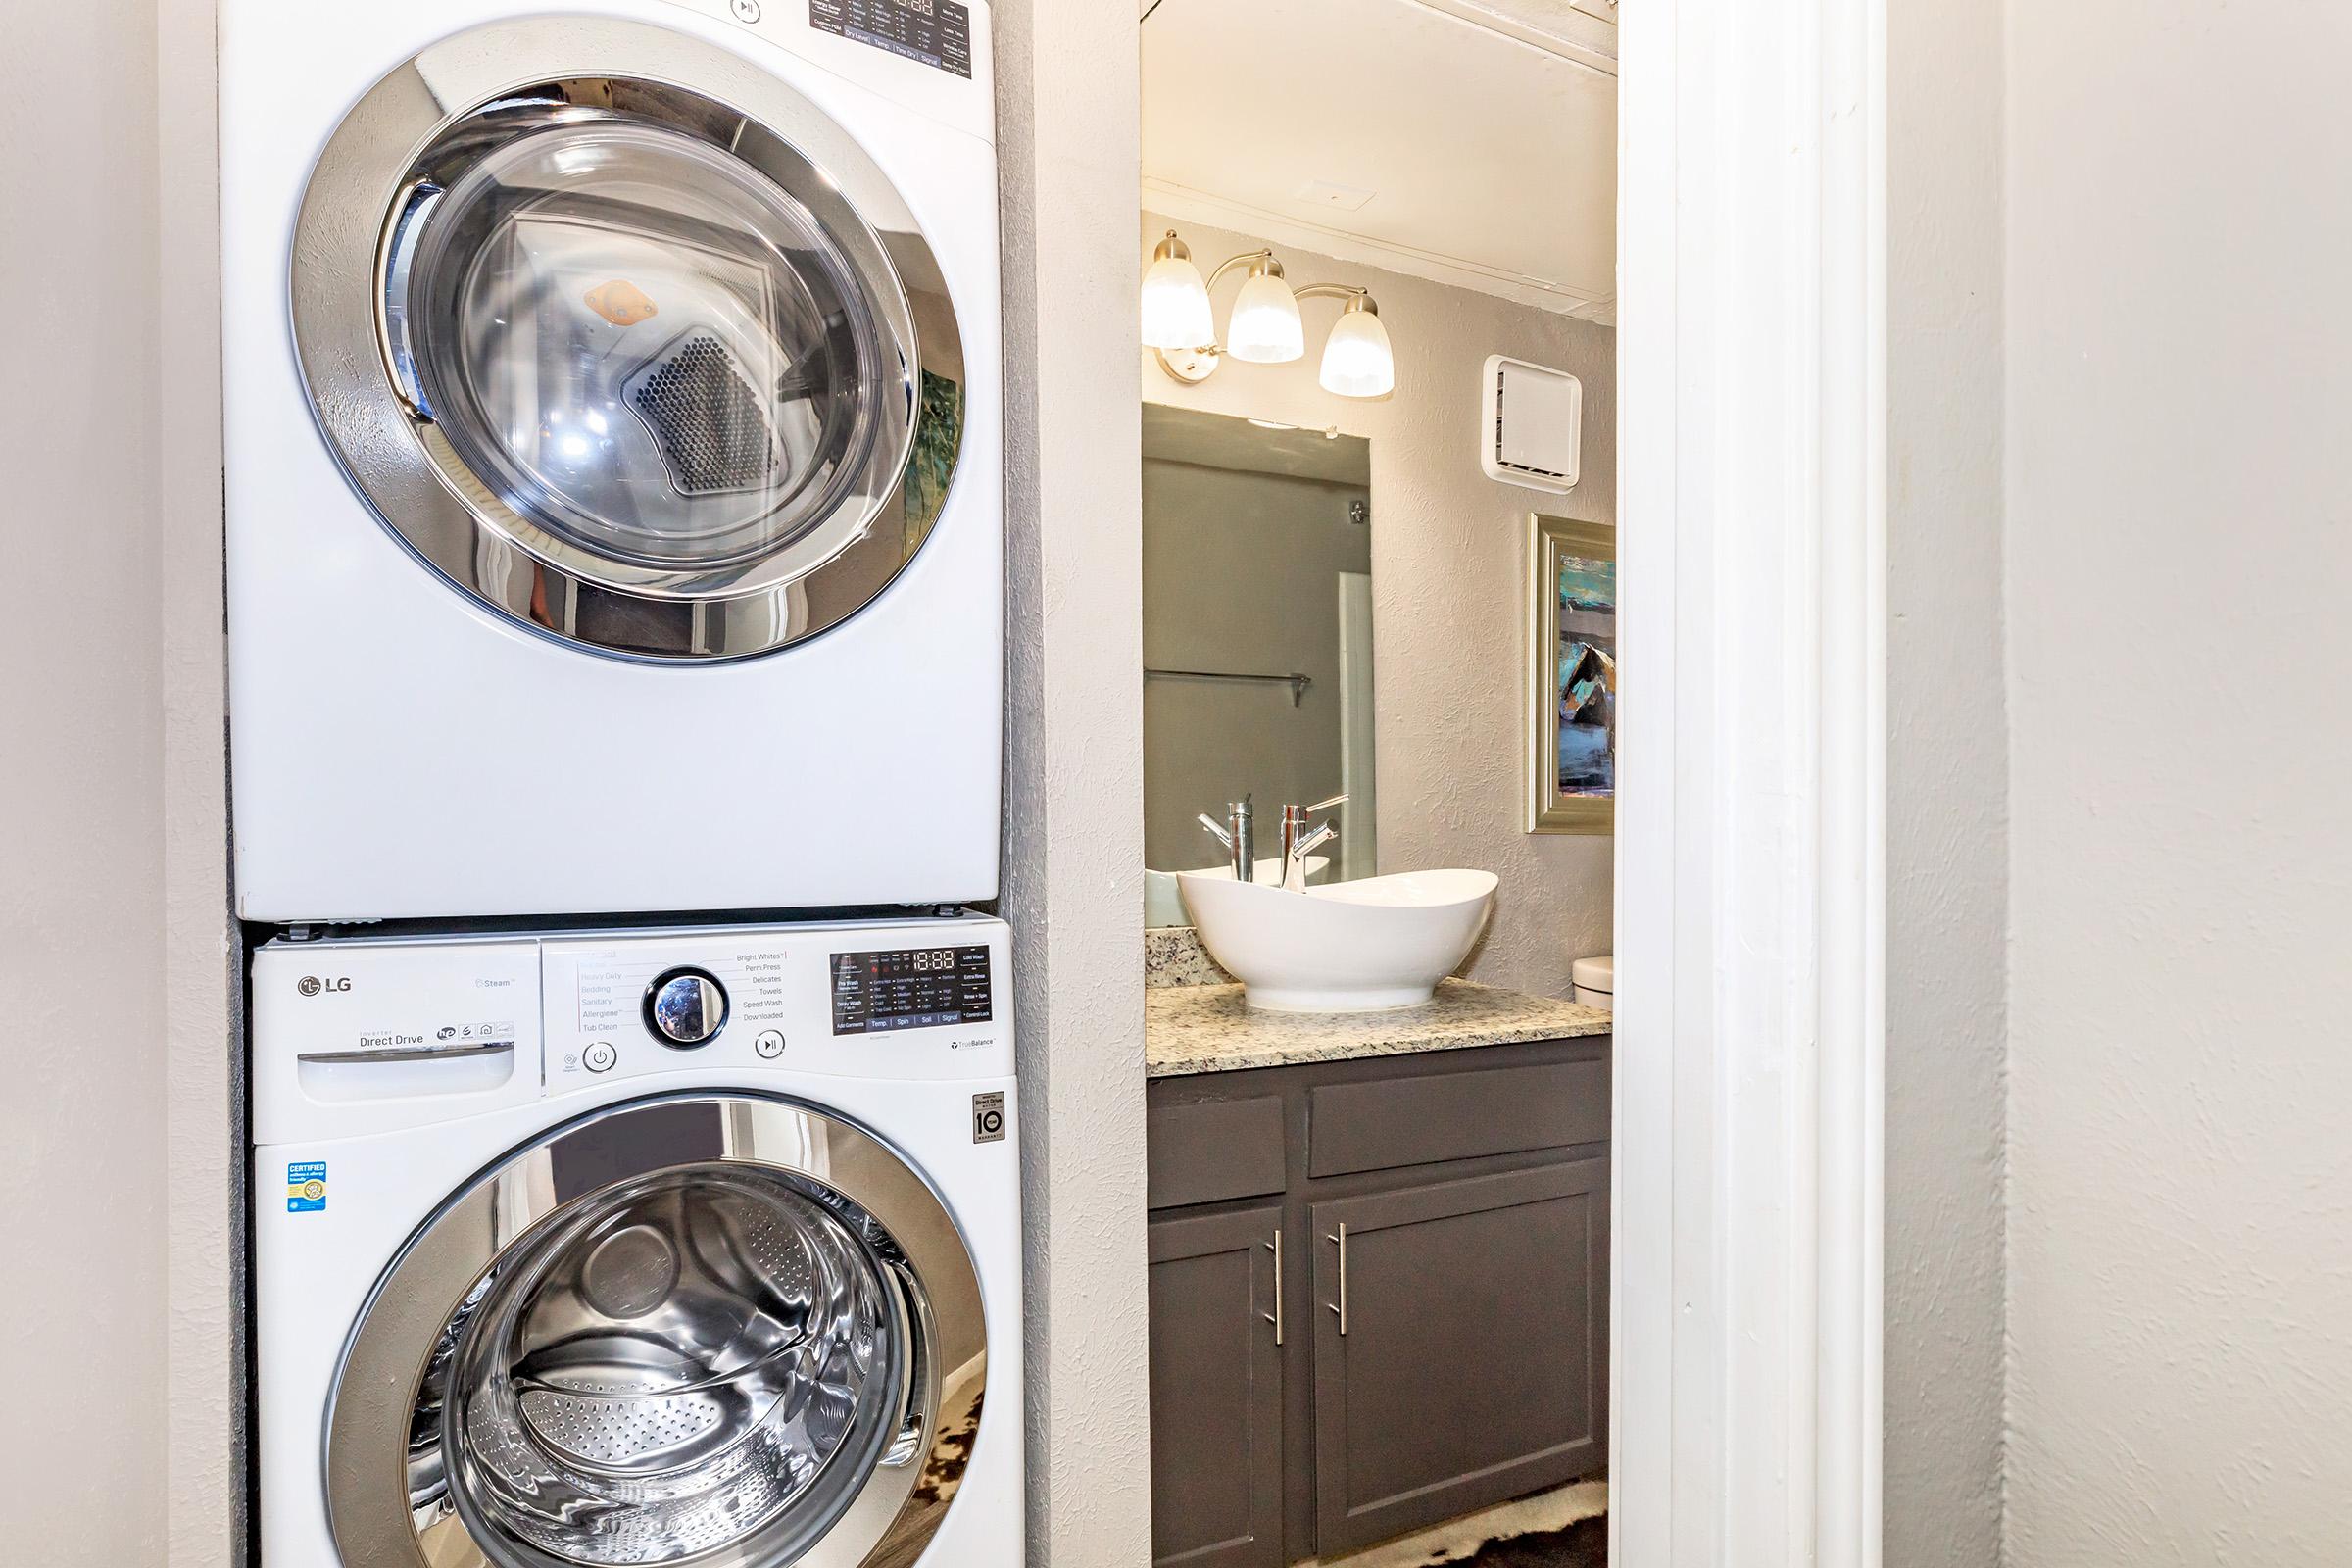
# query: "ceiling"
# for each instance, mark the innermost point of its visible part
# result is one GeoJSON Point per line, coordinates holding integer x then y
{"type": "Point", "coordinates": [1220, 441]}
{"type": "Point", "coordinates": [1472, 141]}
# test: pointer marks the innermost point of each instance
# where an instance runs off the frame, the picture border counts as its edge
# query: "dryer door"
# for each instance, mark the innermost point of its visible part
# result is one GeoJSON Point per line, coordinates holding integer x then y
{"type": "Point", "coordinates": [719, 1328]}
{"type": "Point", "coordinates": [654, 362]}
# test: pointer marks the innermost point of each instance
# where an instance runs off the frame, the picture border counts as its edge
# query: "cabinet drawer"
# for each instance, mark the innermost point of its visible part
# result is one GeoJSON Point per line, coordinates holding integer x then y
{"type": "Point", "coordinates": [1387, 1123]}
{"type": "Point", "coordinates": [1214, 1151]}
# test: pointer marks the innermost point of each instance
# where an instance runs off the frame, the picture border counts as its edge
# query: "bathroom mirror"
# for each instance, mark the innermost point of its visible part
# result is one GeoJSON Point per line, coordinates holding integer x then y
{"type": "Point", "coordinates": [1258, 640]}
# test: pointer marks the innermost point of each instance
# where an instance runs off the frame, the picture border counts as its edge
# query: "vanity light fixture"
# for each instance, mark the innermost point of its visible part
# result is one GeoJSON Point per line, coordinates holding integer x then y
{"type": "Point", "coordinates": [1175, 299]}
{"type": "Point", "coordinates": [1265, 330]}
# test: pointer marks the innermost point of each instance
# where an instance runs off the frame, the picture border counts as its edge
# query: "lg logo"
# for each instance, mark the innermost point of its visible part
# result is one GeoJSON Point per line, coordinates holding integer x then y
{"type": "Point", "coordinates": [311, 985]}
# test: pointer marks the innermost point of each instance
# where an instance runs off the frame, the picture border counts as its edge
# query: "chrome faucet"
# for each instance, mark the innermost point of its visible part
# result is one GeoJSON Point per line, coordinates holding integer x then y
{"type": "Point", "coordinates": [1299, 841]}
{"type": "Point", "coordinates": [1238, 836]}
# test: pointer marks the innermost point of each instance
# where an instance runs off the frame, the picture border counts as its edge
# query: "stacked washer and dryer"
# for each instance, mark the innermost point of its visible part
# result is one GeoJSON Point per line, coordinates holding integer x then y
{"type": "Point", "coordinates": [615, 634]}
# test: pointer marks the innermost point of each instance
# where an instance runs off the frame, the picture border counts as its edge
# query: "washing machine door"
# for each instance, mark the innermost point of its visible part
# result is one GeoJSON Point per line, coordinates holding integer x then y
{"type": "Point", "coordinates": [720, 1329]}
{"type": "Point", "coordinates": [626, 339]}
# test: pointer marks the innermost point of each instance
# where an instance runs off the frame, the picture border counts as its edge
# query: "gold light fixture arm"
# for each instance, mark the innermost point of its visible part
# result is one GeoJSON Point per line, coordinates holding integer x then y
{"type": "Point", "coordinates": [1337, 291]}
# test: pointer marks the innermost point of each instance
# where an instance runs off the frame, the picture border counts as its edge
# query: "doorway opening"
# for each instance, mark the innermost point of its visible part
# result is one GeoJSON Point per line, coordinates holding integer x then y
{"type": "Point", "coordinates": [1380, 718]}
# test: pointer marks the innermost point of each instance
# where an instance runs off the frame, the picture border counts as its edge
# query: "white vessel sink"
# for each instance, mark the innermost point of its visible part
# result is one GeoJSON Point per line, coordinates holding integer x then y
{"type": "Point", "coordinates": [1163, 903]}
{"type": "Point", "coordinates": [1353, 947]}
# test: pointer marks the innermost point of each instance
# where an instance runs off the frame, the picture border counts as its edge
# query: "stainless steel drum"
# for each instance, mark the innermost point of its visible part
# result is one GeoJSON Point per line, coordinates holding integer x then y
{"type": "Point", "coordinates": [711, 1329]}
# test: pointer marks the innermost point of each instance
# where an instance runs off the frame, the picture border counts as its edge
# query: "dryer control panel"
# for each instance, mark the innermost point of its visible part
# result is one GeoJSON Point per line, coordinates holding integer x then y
{"type": "Point", "coordinates": [374, 1033]}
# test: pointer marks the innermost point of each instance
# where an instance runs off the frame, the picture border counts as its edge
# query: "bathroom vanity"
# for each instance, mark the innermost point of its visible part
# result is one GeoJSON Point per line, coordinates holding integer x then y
{"type": "Point", "coordinates": [1378, 1263]}
{"type": "Point", "coordinates": [1378, 1240]}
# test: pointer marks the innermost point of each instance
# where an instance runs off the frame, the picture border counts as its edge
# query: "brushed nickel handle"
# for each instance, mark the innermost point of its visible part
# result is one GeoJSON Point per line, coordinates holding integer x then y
{"type": "Point", "coordinates": [409, 1054]}
{"type": "Point", "coordinates": [1275, 1317]}
{"type": "Point", "coordinates": [1341, 1307]}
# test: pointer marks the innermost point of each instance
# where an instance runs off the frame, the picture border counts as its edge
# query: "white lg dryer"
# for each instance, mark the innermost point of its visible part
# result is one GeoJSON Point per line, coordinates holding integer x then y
{"type": "Point", "coordinates": [614, 456]}
{"type": "Point", "coordinates": [600, 1250]}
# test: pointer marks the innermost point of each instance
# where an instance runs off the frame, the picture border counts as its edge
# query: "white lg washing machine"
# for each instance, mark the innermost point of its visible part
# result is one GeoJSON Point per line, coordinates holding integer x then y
{"type": "Point", "coordinates": [698, 1245]}
{"type": "Point", "coordinates": [614, 456]}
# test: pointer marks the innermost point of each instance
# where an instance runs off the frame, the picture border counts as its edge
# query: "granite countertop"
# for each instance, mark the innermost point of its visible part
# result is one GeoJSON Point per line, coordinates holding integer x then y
{"type": "Point", "coordinates": [1212, 1028]}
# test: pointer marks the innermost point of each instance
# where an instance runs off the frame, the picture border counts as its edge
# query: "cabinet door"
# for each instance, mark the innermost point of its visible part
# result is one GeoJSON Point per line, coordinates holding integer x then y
{"type": "Point", "coordinates": [1461, 1352]}
{"type": "Point", "coordinates": [1216, 1390]}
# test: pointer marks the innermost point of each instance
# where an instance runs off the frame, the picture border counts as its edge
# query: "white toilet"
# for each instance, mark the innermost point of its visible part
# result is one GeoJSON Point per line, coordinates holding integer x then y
{"type": "Point", "coordinates": [1596, 980]}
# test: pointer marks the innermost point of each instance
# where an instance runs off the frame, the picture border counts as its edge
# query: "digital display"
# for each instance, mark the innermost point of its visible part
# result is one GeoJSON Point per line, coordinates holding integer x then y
{"type": "Point", "coordinates": [931, 32]}
{"type": "Point", "coordinates": [911, 988]}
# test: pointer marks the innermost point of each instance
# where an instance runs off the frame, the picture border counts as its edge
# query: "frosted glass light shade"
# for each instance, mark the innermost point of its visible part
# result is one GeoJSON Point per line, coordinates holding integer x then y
{"type": "Point", "coordinates": [1176, 305]}
{"type": "Point", "coordinates": [1356, 361]}
{"type": "Point", "coordinates": [1265, 322]}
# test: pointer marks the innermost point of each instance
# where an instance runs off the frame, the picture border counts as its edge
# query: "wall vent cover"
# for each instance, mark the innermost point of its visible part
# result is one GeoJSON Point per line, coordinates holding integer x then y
{"type": "Point", "coordinates": [1533, 425]}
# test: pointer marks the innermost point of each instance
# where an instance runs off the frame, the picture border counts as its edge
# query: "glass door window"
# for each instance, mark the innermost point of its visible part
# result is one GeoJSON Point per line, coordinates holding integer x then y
{"type": "Point", "coordinates": [631, 358]}
{"type": "Point", "coordinates": [645, 347]}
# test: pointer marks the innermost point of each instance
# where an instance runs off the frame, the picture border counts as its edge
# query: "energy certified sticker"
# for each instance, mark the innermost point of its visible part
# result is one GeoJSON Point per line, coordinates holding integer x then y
{"type": "Point", "coordinates": [306, 1187]}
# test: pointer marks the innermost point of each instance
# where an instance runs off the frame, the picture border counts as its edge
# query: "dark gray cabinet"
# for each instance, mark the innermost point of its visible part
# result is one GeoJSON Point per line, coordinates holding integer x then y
{"type": "Point", "coordinates": [1472, 1366]}
{"type": "Point", "coordinates": [1458, 1353]}
{"type": "Point", "coordinates": [1216, 1390]}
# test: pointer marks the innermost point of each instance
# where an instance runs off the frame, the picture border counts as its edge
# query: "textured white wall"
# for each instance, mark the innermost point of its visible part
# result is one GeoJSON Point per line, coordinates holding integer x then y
{"type": "Point", "coordinates": [85, 1182]}
{"type": "Point", "coordinates": [1449, 548]}
{"type": "Point", "coordinates": [1066, 88]}
{"type": "Point", "coordinates": [1946, 788]}
{"type": "Point", "coordinates": [2179, 559]}
{"type": "Point", "coordinates": [205, 1146]}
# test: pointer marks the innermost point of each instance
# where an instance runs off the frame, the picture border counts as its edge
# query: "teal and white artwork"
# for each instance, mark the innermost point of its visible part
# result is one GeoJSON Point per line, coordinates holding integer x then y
{"type": "Point", "coordinates": [1586, 684]}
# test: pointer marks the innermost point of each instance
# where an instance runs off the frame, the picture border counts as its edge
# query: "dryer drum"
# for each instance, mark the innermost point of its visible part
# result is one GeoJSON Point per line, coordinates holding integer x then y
{"type": "Point", "coordinates": [631, 357]}
{"type": "Point", "coordinates": [714, 435]}
{"type": "Point", "coordinates": [645, 347]}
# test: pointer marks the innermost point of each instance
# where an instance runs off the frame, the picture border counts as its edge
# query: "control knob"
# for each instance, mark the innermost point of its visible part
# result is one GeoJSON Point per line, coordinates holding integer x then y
{"type": "Point", "coordinates": [685, 1007]}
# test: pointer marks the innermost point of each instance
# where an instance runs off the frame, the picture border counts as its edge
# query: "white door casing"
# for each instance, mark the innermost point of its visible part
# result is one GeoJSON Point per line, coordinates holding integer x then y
{"type": "Point", "coordinates": [1749, 1040]}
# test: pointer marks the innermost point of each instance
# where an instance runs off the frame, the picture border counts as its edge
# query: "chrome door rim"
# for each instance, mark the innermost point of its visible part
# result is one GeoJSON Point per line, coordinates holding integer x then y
{"type": "Point", "coordinates": [906, 1496]}
{"type": "Point", "coordinates": [346, 240]}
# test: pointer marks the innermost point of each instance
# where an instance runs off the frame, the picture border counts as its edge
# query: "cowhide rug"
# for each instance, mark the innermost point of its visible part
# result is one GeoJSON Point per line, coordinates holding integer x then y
{"type": "Point", "coordinates": [1583, 1545]}
{"type": "Point", "coordinates": [1565, 1528]}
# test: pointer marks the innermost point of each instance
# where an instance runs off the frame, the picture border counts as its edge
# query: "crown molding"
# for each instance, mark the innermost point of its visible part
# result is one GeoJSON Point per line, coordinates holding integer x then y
{"type": "Point", "coordinates": [1176, 201]}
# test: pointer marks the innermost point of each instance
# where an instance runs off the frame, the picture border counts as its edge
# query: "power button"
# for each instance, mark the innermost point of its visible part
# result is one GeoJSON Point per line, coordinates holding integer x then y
{"type": "Point", "coordinates": [600, 1057]}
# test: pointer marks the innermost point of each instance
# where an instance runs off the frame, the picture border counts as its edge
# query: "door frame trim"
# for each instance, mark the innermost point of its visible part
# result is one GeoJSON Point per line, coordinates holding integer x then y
{"type": "Point", "coordinates": [1751, 874]}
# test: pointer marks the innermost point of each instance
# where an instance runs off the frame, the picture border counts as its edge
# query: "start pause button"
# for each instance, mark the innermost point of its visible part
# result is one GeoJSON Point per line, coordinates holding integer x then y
{"type": "Point", "coordinates": [988, 1118]}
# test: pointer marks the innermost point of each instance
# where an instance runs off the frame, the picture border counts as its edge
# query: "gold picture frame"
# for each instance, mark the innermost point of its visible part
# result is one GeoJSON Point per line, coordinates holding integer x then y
{"type": "Point", "coordinates": [1571, 788]}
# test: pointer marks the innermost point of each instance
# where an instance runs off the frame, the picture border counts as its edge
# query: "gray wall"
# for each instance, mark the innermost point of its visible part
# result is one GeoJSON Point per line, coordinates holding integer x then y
{"type": "Point", "coordinates": [1946, 787]}
{"type": "Point", "coordinates": [1069, 165]}
{"type": "Point", "coordinates": [1240, 572]}
{"type": "Point", "coordinates": [84, 1182]}
{"type": "Point", "coordinates": [1447, 577]}
{"type": "Point", "coordinates": [2180, 554]}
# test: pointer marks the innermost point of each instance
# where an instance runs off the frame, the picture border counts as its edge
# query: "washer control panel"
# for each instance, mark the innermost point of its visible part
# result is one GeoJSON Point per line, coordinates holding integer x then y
{"type": "Point", "coordinates": [371, 1033]}
{"type": "Point", "coordinates": [902, 999]}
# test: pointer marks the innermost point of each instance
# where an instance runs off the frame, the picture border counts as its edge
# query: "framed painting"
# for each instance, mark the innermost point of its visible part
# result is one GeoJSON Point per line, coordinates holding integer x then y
{"type": "Point", "coordinates": [1572, 677]}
